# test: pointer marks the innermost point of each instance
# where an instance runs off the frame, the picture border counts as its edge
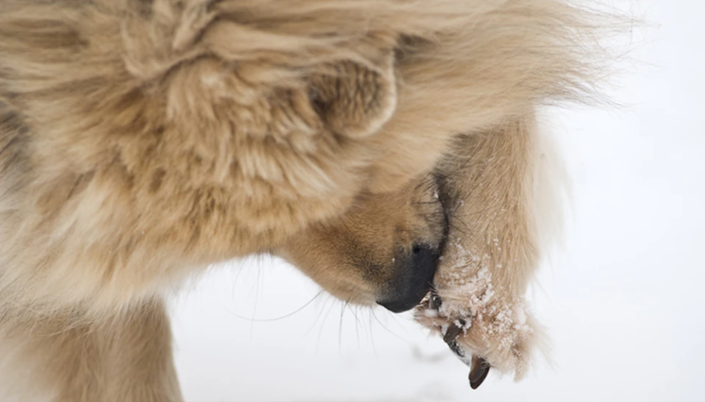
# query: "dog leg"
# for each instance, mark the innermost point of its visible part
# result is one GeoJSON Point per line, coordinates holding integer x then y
{"type": "Point", "coordinates": [123, 358]}
{"type": "Point", "coordinates": [493, 249]}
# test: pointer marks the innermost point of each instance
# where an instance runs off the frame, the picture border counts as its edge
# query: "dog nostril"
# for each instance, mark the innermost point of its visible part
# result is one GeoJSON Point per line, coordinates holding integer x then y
{"type": "Point", "coordinates": [412, 280]}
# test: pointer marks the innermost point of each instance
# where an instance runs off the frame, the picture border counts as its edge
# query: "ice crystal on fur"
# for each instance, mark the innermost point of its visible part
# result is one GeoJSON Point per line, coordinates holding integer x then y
{"type": "Point", "coordinates": [492, 326]}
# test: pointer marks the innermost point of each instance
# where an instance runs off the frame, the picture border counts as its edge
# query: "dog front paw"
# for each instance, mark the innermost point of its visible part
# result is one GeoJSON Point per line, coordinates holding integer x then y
{"type": "Point", "coordinates": [484, 329]}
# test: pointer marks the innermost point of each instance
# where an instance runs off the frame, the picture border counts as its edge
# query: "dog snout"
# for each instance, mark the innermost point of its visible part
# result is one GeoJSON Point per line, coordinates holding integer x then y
{"type": "Point", "coordinates": [412, 280]}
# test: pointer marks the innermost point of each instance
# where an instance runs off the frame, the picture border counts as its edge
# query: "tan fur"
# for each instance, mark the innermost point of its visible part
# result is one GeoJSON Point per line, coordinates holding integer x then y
{"type": "Point", "coordinates": [141, 140]}
{"type": "Point", "coordinates": [491, 258]}
{"type": "Point", "coordinates": [367, 244]}
{"type": "Point", "coordinates": [126, 357]}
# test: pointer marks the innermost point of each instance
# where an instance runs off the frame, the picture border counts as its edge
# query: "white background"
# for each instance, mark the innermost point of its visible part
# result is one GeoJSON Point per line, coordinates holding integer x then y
{"type": "Point", "coordinates": [623, 300]}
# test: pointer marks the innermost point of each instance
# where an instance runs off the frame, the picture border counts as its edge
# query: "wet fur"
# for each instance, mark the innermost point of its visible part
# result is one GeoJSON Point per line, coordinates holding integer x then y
{"type": "Point", "coordinates": [141, 141]}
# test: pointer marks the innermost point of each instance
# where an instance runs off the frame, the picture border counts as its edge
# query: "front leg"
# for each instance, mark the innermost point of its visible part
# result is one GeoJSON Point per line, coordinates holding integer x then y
{"type": "Point", "coordinates": [493, 249]}
{"type": "Point", "coordinates": [72, 358]}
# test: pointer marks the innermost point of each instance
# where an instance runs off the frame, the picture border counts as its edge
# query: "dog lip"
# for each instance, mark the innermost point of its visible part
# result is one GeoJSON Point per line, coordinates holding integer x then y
{"type": "Point", "coordinates": [396, 307]}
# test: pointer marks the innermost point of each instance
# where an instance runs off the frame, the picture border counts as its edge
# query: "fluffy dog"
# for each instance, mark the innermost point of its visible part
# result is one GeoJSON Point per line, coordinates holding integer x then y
{"type": "Point", "coordinates": [375, 144]}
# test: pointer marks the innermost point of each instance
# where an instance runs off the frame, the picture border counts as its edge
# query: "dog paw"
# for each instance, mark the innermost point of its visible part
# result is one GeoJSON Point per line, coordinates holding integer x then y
{"type": "Point", "coordinates": [484, 329]}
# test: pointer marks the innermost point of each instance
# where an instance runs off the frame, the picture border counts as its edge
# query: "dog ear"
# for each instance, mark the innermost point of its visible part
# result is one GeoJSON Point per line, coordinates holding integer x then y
{"type": "Point", "coordinates": [350, 80]}
{"type": "Point", "coordinates": [354, 99]}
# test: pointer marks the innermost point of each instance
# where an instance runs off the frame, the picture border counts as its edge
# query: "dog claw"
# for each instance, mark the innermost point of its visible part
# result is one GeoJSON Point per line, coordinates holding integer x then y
{"type": "Point", "coordinates": [480, 367]}
{"type": "Point", "coordinates": [434, 302]}
{"type": "Point", "coordinates": [451, 339]}
{"type": "Point", "coordinates": [479, 371]}
{"type": "Point", "coordinates": [453, 331]}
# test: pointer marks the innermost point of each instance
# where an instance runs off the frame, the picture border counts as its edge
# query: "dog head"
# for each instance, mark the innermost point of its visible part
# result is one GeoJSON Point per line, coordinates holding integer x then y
{"type": "Point", "coordinates": [453, 160]}
{"type": "Point", "coordinates": [385, 249]}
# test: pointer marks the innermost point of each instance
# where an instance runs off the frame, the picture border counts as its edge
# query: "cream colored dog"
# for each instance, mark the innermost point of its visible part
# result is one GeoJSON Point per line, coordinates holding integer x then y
{"type": "Point", "coordinates": [375, 144]}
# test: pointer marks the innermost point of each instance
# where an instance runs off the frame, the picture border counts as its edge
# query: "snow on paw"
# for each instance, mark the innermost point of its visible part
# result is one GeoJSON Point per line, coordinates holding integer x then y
{"type": "Point", "coordinates": [484, 329]}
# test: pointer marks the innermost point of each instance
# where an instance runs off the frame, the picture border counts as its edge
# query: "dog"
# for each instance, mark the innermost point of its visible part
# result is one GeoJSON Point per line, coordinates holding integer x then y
{"type": "Point", "coordinates": [371, 143]}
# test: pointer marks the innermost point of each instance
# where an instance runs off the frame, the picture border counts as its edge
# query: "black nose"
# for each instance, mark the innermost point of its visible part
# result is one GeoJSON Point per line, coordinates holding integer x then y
{"type": "Point", "coordinates": [413, 279]}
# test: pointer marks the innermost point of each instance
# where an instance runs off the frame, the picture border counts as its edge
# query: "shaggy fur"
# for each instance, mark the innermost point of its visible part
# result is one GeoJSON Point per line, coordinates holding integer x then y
{"type": "Point", "coordinates": [141, 140]}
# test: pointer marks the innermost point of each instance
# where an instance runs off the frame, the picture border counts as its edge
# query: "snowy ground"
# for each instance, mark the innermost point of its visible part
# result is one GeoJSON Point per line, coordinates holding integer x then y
{"type": "Point", "coordinates": [623, 300]}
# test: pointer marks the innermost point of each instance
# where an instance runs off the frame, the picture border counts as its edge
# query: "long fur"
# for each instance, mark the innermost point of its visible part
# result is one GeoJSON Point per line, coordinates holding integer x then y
{"type": "Point", "coordinates": [143, 140]}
